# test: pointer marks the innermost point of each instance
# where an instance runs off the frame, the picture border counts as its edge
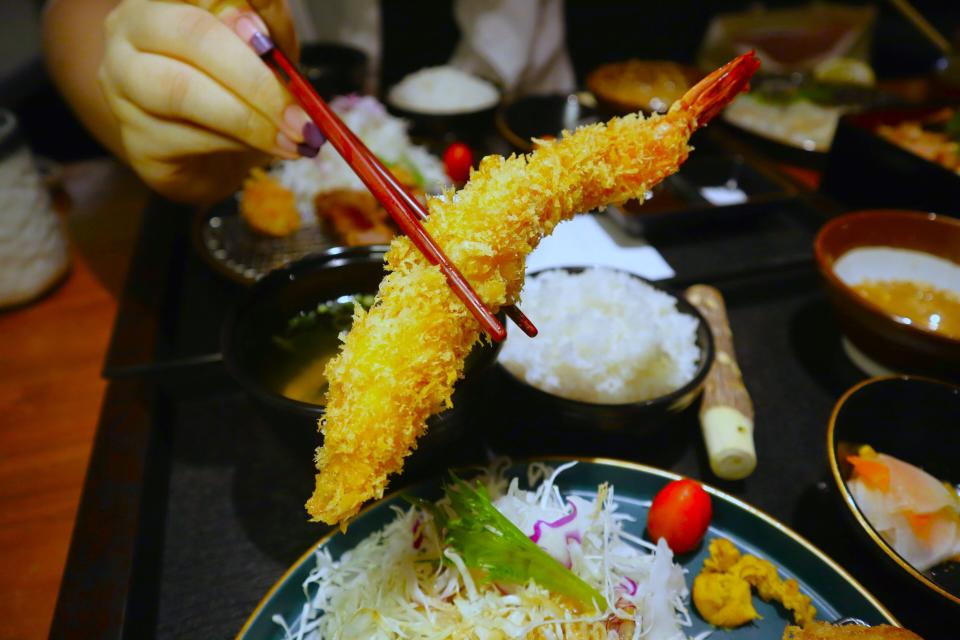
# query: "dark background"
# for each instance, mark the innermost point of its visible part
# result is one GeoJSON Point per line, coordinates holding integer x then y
{"type": "Point", "coordinates": [418, 34]}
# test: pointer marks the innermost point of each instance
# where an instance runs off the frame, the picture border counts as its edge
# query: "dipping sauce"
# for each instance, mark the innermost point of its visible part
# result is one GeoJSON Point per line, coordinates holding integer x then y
{"type": "Point", "coordinates": [297, 356]}
{"type": "Point", "coordinates": [920, 304]}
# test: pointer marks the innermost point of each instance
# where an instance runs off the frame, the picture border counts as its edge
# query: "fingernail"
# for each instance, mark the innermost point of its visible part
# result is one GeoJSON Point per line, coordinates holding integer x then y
{"type": "Point", "coordinates": [289, 147]}
{"type": "Point", "coordinates": [307, 151]}
{"type": "Point", "coordinates": [313, 136]}
{"type": "Point", "coordinates": [250, 32]}
{"type": "Point", "coordinates": [296, 118]}
{"type": "Point", "coordinates": [285, 144]}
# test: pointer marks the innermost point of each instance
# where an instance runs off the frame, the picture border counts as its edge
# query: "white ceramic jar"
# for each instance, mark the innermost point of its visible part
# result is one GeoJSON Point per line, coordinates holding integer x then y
{"type": "Point", "coordinates": [33, 248]}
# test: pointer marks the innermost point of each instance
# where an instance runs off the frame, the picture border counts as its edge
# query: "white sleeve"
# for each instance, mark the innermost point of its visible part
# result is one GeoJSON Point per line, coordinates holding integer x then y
{"type": "Point", "coordinates": [520, 44]}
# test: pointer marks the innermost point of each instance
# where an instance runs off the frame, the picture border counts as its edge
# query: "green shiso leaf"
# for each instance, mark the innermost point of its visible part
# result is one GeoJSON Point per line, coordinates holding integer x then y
{"type": "Point", "coordinates": [488, 541]}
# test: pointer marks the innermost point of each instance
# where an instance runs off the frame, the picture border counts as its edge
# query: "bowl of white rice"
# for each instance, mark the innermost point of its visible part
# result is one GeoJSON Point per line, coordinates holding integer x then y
{"type": "Point", "coordinates": [613, 349]}
{"type": "Point", "coordinates": [444, 100]}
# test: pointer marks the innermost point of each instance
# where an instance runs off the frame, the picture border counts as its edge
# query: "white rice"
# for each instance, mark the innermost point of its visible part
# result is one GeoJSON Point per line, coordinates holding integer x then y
{"type": "Point", "coordinates": [605, 337]}
{"type": "Point", "coordinates": [443, 90]}
{"type": "Point", "coordinates": [385, 135]}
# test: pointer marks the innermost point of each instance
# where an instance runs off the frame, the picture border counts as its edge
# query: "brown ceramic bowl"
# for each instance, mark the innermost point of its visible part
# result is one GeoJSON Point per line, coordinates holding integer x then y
{"type": "Point", "coordinates": [880, 341]}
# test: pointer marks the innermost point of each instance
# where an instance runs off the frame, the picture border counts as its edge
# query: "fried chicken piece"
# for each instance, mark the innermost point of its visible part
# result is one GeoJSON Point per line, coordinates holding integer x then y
{"type": "Point", "coordinates": [354, 216]}
{"type": "Point", "coordinates": [399, 363]}
{"type": "Point", "coordinates": [267, 206]}
{"type": "Point", "coordinates": [824, 631]}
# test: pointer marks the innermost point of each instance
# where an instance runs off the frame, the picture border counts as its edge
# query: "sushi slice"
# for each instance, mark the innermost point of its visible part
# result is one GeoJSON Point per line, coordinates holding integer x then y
{"type": "Point", "coordinates": [918, 515]}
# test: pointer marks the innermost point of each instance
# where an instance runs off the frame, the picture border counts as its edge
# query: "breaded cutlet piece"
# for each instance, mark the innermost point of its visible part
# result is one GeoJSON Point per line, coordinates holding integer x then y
{"type": "Point", "coordinates": [826, 631]}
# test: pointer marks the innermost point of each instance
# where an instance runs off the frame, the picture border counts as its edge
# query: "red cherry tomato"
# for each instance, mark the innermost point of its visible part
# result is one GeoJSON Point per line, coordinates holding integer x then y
{"type": "Point", "coordinates": [680, 513]}
{"type": "Point", "coordinates": [457, 160]}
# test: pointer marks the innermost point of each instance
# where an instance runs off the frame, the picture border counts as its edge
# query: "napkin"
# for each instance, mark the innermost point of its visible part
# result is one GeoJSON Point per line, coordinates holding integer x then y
{"type": "Point", "coordinates": [585, 242]}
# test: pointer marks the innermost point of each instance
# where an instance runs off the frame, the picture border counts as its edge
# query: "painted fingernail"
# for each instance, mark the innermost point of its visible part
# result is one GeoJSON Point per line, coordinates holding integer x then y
{"type": "Point", "coordinates": [248, 30]}
{"type": "Point", "coordinates": [296, 118]}
{"type": "Point", "coordinates": [307, 151]}
{"type": "Point", "coordinates": [313, 136]}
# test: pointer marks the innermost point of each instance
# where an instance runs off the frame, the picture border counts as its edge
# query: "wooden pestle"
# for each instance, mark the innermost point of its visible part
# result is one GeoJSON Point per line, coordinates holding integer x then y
{"type": "Point", "coordinates": [726, 412]}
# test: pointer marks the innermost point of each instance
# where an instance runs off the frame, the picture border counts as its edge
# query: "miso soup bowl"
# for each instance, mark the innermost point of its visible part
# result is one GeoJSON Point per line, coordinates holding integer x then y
{"type": "Point", "coordinates": [881, 342]}
{"type": "Point", "coordinates": [268, 305]}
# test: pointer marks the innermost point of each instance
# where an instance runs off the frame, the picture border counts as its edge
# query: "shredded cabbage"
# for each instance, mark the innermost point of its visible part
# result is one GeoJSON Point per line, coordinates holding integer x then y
{"type": "Point", "coordinates": [393, 584]}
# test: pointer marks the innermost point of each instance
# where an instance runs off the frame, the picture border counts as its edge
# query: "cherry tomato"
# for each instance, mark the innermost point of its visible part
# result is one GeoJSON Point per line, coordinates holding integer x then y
{"type": "Point", "coordinates": [457, 160]}
{"type": "Point", "coordinates": [680, 513]}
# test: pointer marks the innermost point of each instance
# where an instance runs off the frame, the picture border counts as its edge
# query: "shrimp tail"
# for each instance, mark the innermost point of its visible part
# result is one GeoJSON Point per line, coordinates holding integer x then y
{"type": "Point", "coordinates": [708, 97]}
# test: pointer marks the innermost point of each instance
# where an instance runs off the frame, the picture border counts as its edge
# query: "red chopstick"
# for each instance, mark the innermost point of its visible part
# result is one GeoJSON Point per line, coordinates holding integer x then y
{"type": "Point", "coordinates": [402, 207]}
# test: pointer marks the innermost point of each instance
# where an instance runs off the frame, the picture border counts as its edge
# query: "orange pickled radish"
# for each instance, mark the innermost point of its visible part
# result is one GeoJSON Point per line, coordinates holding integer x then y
{"type": "Point", "coordinates": [875, 474]}
{"type": "Point", "coordinates": [920, 523]}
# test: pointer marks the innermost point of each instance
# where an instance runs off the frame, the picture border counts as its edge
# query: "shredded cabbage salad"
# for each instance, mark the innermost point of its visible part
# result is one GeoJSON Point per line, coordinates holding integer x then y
{"type": "Point", "coordinates": [394, 584]}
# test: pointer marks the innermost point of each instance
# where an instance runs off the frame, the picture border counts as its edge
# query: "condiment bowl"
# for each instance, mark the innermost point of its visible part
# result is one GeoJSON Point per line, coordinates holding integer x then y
{"type": "Point", "coordinates": [334, 69]}
{"type": "Point", "coordinates": [543, 116]}
{"type": "Point", "coordinates": [916, 420]}
{"type": "Point", "coordinates": [634, 417]}
{"type": "Point", "coordinates": [265, 311]}
{"type": "Point", "coordinates": [469, 124]}
{"type": "Point", "coordinates": [878, 340]}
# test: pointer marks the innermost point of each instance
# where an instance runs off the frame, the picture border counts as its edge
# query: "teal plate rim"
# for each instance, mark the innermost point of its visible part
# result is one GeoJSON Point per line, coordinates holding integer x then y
{"type": "Point", "coordinates": [819, 576]}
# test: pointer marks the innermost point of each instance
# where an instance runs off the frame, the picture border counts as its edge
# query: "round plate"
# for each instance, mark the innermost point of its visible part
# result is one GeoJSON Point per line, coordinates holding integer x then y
{"type": "Point", "coordinates": [835, 593]}
{"type": "Point", "coordinates": [231, 248]}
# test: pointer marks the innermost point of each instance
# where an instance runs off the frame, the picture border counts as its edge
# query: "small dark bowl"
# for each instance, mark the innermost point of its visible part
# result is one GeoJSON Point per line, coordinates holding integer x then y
{"type": "Point", "coordinates": [334, 69]}
{"type": "Point", "coordinates": [918, 421]}
{"type": "Point", "coordinates": [537, 116]}
{"type": "Point", "coordinates": [468, 125]}
{"type": "Point", "coordinates": [268, 304]}
{"type": "Point", "coordinates": [876, 333]}
{"type": "Point", "coordinates": [633, 417]}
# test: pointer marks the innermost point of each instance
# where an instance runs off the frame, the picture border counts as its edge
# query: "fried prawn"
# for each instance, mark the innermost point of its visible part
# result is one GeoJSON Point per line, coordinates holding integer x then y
{"type": "Point", "coordinates": [400, 361]}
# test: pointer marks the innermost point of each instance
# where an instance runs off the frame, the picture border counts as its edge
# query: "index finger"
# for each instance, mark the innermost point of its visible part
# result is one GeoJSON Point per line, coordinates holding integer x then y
{"type": "Point", "coordinates": [197, 37]}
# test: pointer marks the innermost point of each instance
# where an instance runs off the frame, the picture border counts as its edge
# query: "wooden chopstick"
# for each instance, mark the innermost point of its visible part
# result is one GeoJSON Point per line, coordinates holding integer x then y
{"type": "Point", "coordinates": [512, 311]}
{"type": "Point", "coordinates": [402, 207]}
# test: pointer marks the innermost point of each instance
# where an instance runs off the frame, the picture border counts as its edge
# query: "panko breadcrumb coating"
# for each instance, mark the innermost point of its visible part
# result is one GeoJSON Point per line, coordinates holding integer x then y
{"type": "Point", "coordinates": [399, 363]}
{"type": "Point", "coordinates": [825, 631]}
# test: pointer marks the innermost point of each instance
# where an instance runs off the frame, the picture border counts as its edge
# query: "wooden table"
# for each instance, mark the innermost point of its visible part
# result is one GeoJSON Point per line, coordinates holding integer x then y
{"type": "Point", "coordinates": [51, 355]}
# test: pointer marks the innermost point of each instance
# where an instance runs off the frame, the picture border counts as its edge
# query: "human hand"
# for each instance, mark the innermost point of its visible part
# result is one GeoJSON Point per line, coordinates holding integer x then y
{"type": "Point", "coordinates": [196, 106]}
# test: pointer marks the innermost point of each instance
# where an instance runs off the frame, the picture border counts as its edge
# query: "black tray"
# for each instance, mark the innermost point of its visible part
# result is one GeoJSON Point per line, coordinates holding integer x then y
{"type": "Point", "coordinates": [678, 204]}
{"type": "Point", "coordinates": [865, 170]}
{"type": "Point", "coordinates": [193, 504]}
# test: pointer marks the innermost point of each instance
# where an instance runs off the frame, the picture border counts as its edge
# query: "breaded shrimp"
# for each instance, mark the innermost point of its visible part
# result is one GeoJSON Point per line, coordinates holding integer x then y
{"type": "Point", "coordinates": [400, 361]}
